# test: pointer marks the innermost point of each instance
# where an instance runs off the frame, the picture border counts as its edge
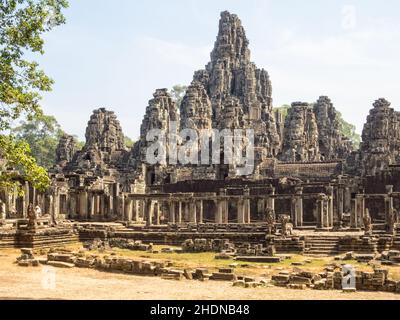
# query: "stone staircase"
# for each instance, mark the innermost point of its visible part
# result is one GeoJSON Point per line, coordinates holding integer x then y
{"type": "Point", "coordinates": [324, 245]}
{"type": "Point", "coordinates": [396, 238]}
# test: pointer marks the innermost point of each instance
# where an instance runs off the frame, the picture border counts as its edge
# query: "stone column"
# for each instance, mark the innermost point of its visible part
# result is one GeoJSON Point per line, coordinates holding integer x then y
{"type": "Point", "coordinates": [121, 206]}
{"type": "Point", "coordinates": [149, 212]}
{"type": "Point", "coordinates": [136, 207]}
{"type": "Point", "coordinates": [298, 222]}
{"type": "Point", "coordinates": [389, 204]}
{"type": "Point", "coordinates": [226, 212]}
{"type": "Point", "coordinates": [193, 211]}
{"type": "Point", "coordinates": [271, 201]}
{"type": "Point", "coordinates": [201, 213]}
{"type": "Point", "coordinates": [172, 218]}
{"type": "Point", "coordinates": [247, 206]}
{"type": "Point", "coordinates": [340, 203]}
{"type": "Point", "coordinates": [347, 200]}
{"type": "Point", "coordinates": [330, 191]}
{"type": "Point", "coordinates": [180, 212]}
{"type": "Point", "coordinates": [128, 209]}
{"type": "Point", "coordinates": [92, 205]}
{"type": "Point", "coordinates": [358, 210]}
{"type": "Point", "coordinates": [25, 200]}
{"type": "Point", "coordinates": [83, 207]}
{"type": "Point", "coordinates": [156, 209]}
{"type": "Point", "coordinates": [240, 211]}
{"type": "Point", "coordinates": [220, 212]}
{"type": "Point", "coordinates": [322, 211]}
{"type": "Point", "coordinates": [51, 212]}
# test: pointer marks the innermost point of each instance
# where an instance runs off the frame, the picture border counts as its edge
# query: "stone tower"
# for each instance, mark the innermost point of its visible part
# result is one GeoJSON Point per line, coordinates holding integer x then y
{"type": "Point", "coordinates": [233, 82]}
{"type": "Point", "coordinates": [381, 138]}
{"type": "Point", "coordinates": [301, 138]}
{"type": "Point", "coordinates": [104, 143]}
{"type": "Point", "coordinates": [332, 144]}
{"type": "Point", "coordinates": [65, 150]}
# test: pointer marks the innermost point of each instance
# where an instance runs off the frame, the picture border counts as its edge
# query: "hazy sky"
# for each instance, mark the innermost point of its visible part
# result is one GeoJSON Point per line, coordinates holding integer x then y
{"type": "Point", "coordinates": [115, 53]}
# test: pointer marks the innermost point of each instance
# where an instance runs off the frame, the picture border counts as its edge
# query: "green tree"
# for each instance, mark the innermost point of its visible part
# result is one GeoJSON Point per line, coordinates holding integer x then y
{"type": "Point", "coordinates": [22, 25]}
{"type": "Point", "coordinates": [283, 110]}
{"type": "Point", "coordinates": [349, 130]}
{"type": "Point", "coordinates": [178, 92]}
{"type": "Point", "coordinates": [129, 142]}
{"type": "Point", "coordinates": [42, 134]}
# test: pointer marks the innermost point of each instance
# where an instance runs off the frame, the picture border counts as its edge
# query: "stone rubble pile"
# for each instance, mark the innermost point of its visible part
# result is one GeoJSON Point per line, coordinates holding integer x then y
{"type": "Point", "coordinates": [27, 258]}
{"type": "Point", "coordinates": [206, 245]}
{"type": "Point", "coordinates": [103, 245]}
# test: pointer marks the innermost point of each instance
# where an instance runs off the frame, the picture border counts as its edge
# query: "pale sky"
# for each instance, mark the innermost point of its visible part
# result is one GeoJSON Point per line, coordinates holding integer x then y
{"type": "Point", "coordinates": [115, 53]}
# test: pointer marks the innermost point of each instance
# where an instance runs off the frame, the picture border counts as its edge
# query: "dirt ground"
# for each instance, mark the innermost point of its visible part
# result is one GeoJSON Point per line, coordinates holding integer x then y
{"type": "Point", "coordinates": [86, 284]}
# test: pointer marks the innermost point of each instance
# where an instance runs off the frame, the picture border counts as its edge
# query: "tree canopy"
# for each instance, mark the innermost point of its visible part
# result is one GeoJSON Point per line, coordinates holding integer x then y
{"type": "Point", "coordinates": [42, 134]}
{"type": "Point", "coordinates": [22, 25]}
{"type": "Point", "coordinates": [178, 92]}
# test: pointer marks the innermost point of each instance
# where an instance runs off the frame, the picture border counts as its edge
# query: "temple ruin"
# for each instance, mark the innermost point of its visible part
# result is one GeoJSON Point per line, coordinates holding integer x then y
{"type": "Point", "coordinates": [304, 168]}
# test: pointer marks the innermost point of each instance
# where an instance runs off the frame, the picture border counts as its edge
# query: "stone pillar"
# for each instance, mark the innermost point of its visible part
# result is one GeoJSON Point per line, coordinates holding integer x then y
{"type": "Point", "coordinates": [149, 212]}
{"type": "Point", "coordinates": [271, 201]}
{"type": "Point", "coordinates": [330, 191]}
{"type": "Point", "coordinates": [25, 204]}
{"type": "Point", "coordinates": [220, 212]}
{"type": "Point", "coordinates": [298, 206]}
{"type": "Point", "coordinates": [322, 211]}
{"type": "Point", "coordinates": [247, 206]}
{"type": "Point", "coordinates": [389, 204]}
{"type": "Point", "coordinates": [121, 206]}
{"type": "Point", "coordinates": [201, 213]}
{"type": "Point", "coordinates": [51, 212]}
{"type": "Point", "coordinates": [92, 205]}
{"type": "Point", "coordinates": [340, 203]}
{"type": "Point", "coordinates": [172, 218]}
{"type": "Point", "coordinates": [156, 208]}
{"type": "Point", "coordinates": [347, 200]}
{"type": "Point", "coordinates": [180, 212]}
{"type": "Point", "coordinates": [33, 196]}
{"type": "Point", "coordinates": [240, 211]}
{"type": "Point", "coordinates": [136, 212]}
{"type": "Point", "coordinates": [226, 212]}
{"type": "Point", "coordinates": [128, 209]}
{"type": "Point", "coordinates": [357, 212]}
{"type": "Point", "coordinates": [83, 207]}
{"type": "Point", "coordinates": [193, 211]}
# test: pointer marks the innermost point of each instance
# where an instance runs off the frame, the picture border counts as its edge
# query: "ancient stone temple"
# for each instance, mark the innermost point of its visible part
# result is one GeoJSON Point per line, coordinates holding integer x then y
{"type": "Point", "coordinates": [305, 171]}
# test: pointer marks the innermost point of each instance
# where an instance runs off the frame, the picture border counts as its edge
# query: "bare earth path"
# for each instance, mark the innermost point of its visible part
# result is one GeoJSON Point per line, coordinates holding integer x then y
{"type": "Point", "coordinates": [27, 283]}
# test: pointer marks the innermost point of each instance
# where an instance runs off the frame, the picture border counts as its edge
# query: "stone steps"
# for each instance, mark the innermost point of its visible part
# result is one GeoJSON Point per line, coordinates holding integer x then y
{"type": "Point", "coordinates": [322, 245]}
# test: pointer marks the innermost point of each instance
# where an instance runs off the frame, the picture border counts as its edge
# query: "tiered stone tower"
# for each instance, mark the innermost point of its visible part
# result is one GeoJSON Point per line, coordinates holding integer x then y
{"type": "Point", "coordinates": [381, 138]}
{"type": "Point", "coordinates": [104, 143]}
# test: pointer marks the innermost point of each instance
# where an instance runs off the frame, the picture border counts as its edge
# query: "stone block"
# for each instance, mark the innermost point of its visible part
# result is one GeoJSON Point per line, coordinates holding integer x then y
{"type": "Point", "coordinates": [60, 264]}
